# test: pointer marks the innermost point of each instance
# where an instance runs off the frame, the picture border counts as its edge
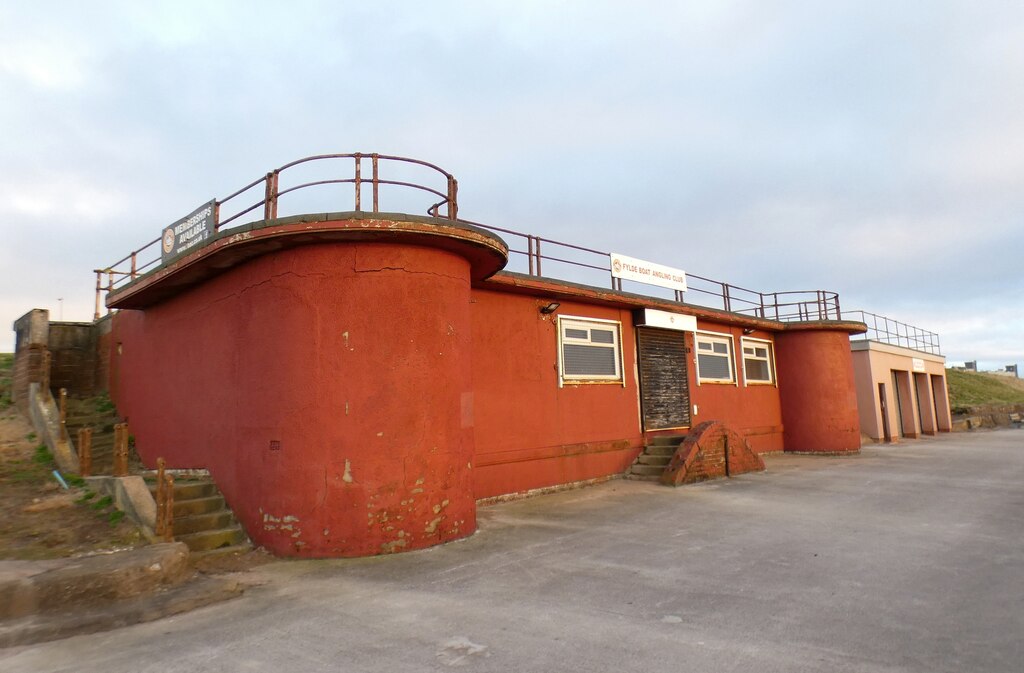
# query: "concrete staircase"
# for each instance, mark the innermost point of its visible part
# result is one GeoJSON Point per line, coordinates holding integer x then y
{"type": "Point", "coordinates": [650, 464]}
{"type": "Point", "coordinates": [202, 519]}
{"type": "Point", "coordinates": [100, 415]}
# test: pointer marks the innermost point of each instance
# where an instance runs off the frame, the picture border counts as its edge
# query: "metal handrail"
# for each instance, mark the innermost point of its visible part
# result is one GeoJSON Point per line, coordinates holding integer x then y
{"type": "Point", "coordinates": [781, 306]}
{"type": "Point", "coordinates": [795, 306]}
{"type": "Point", "coordinates": [896, 333]}
{"type": "Point", "coordinates": [128, 268]}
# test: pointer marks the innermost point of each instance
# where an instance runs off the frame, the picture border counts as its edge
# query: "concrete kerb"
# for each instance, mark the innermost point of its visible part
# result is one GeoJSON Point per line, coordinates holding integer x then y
{"type": "Point", "coordinates": [54, 599]}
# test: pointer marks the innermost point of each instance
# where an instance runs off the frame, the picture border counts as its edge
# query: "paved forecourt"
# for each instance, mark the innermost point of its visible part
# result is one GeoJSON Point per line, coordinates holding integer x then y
{"type": "Point", "coordinates": [904, 558]}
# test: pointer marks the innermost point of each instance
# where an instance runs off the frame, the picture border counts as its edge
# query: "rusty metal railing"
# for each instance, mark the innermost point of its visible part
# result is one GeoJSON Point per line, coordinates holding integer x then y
{"type": "Point", "coordinates": [147, 257]}
{"type": "Point", "coordinates": [896, 333]}
{"type": "Point", "coordinates": [540, 254]}
{"type": "Point", "coordinates": [544, 253]}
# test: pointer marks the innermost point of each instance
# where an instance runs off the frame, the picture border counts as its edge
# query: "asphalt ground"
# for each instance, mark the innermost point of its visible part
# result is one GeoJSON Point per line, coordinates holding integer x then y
{"type": "Point", "coordinates": [904, 558]}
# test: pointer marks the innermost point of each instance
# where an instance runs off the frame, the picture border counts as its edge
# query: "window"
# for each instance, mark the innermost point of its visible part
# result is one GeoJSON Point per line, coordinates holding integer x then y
{"type": "Point", "coordinates": [588, 350]}
{"type": "Point", "coordinates": [714, 358]}
{"type": "Point", "coordinates": [758, 365]}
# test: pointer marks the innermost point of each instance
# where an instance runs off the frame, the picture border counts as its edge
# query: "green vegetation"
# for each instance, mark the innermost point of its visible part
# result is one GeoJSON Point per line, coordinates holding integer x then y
{"type": "Point", "coordinates": [42, 455]}
{"type": "Point", "coordinates": [102, 503]}
{"type": "Point", "coordinates": [85, 497]}
{"type": "Point", "coordinates": [103, 404]}
{"type": "Point", "coordinates": [968, 389]}
{"type": "Point", "coordinates": [6, 365]}
{"type": "Point", "coordinates": [115, 517]}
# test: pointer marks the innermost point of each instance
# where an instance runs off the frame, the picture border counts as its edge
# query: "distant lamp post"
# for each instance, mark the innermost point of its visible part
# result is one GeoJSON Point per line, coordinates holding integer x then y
{"type": "Point", "coordinates": [60, 308]}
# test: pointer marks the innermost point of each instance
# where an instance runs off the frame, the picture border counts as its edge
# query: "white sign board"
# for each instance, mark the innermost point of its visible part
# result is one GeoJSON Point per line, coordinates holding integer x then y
{"type": "Point", "coordinates": [649, 317]}
{"type": "Point", "coordinates": [918, 364]}
{"type": "Point", "coordinates": [647, 272]}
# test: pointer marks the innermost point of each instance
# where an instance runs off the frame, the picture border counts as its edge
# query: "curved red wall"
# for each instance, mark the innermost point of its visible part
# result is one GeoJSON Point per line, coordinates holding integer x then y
{"type": "Point", "coordinates": [325, 387]}
{"type": "Point", "coordinates": [817, 389]}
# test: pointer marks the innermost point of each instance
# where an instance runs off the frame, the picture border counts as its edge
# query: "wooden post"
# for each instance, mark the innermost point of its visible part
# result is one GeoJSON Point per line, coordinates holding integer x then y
{"type": "Point", "coordinates": [63, 412]}
{"type": "Point", "coordinates": [85, 452]}
{"type": "Point", "coordinates": [169, 509]}
{"type": "Point", "coordinates": [121, 450]}
{"type": "Point", "coordinates": [161, 497]}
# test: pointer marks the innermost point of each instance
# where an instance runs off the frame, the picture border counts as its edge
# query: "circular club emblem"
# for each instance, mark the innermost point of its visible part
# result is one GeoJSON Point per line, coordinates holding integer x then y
{"type": "Point", "coordinates": [168, 240]}
{"type": "Point", "coordinates": [617, 266]}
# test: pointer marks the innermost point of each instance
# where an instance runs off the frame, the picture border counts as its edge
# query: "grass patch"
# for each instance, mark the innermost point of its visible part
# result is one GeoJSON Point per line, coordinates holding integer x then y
{"type": "Point", "coordinates": [102, 503]}
{"type": "Point", "coordinates": [115, 517]}
{"type": "Point", "coordinates": [31, 436]}
{"type": "Point", "coordinates": [74, 480]}
{"type": "Point", "coordinates": [85, 497]}
{"type": "Point", "coordinates": [104, 405]}
{"type": "Point", "coordinates": [968, 389]}
{"type": "Point", "coordinates": [42, 455]}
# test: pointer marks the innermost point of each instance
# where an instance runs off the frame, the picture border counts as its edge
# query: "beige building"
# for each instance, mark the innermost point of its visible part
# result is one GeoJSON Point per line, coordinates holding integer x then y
{"type": "Point", "coordinates": [900, 375]}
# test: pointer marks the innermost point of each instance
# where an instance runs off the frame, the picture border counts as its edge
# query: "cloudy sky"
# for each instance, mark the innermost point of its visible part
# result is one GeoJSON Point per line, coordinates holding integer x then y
{"type": "Point", "coordinates": [871, 148]}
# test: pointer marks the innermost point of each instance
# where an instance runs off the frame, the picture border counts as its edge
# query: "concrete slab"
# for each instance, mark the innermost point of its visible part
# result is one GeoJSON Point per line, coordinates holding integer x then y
{"type": "Point", "coordinates": [904, 558]}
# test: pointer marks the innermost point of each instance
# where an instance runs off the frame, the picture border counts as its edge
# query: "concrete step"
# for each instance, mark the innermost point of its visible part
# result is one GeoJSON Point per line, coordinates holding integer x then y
{"type": "Point", "coordinates": [206, 554]}
{"type": "Point", "coordinates": [190, 490]}
{"type": "Point", "coordinates": [661, 449]}
{"type": "Point", "coordinates": [647, 470]}
{"type": "Point", "coordinates": [198, 506]}
{"type": "Point", "coordinates": [641, 477]}
{"type": "Point", "coordinates": [201, 522]}
{"type": "Point", "coordinates": [666, 440]}
{"type": "Point", "coordinates": [658, 460]}
{"type": "Point", "coordinates": [95, 421]}
{"type": "Point", "coordinates": [212, 539]}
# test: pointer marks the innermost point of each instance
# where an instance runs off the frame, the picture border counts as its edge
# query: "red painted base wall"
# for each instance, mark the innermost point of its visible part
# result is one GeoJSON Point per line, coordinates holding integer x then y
{"type": "Point", "coordinates": [819, 397]}
{"type": "Point", "coordinates": [325, 387]}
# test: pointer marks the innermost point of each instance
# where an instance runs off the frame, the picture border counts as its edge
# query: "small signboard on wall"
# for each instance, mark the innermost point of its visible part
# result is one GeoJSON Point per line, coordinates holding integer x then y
{"type": "Point", "coordinates": [630, 268]}
{"type": "Point", "coordinates": [649, 317]}
{"type": "Point", "coordinates": [188, 233]}
{"type": "Point", "coordinates": [918, 364]}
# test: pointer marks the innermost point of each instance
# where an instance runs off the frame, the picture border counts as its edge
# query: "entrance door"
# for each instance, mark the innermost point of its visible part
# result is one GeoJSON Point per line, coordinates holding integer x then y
{"type": "Point", "coordinates": [664, 387]}
{"type": "Point", "coordinates": [886, 434]}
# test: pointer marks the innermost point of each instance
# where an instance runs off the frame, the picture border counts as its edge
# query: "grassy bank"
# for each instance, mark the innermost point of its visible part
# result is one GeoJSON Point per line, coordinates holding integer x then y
{"type": "Point", "coordinates": [968, 389]}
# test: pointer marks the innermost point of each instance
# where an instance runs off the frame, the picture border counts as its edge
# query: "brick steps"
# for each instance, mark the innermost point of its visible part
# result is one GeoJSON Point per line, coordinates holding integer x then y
{"type": "Point", "coordinates": [656, 456]}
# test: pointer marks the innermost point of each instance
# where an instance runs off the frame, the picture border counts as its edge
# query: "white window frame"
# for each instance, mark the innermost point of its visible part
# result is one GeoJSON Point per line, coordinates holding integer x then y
{"type": "Point", "coordinates": [715, 337]}
{"type": "Point", "coordinates": [579, 322]}
{"type": "Point", "coordinates": [755, 342]}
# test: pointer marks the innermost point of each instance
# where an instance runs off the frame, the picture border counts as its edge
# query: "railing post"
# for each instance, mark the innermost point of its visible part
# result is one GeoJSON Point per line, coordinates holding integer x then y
{"type": "Point", "coordinates": [169, 508]}
{"type": "Point", "coordinates": [63, 413]}
{"type": "Point", "coordinates": [270, 197]}
{"type": "Point", "coordinates": [99, 291]}
{"type": "Point", "coordinates": [135, 254]}
{"type": "Point", "coordinates": [110, 283]}
{"type": "Point", "coordinates": [161, 498]}
{"type": "Point", "coordinates": [726, 300]}
{"type": "Point", "coordinates": [359, 183]}
{"type": "Point", "coordinates": [121, 450]}
{"type": "Point", "coordinates": [537, 248]}
{"type": "Point", "coordinates": [376, 177]}
{"type": "Point", "coordinates": [85, 452]}
{"type": "Point", "coordinates": [453, 198]}
{"type": "Point", "coordinates": [529, 251]}
{"type": "Point", "coordinates": [216, 215]}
